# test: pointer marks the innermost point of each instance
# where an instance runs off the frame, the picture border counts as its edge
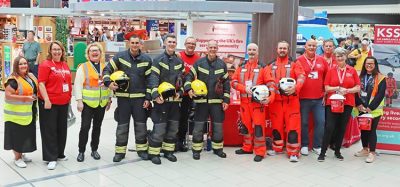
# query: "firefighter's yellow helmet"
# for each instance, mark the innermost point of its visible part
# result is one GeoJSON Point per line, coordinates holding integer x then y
{"type": "Point", "coordinates": [121, 79]}
{"type": "Point", "coordinates": [199, 88]}
{"type": "Point", "coordinates": [166, 89]}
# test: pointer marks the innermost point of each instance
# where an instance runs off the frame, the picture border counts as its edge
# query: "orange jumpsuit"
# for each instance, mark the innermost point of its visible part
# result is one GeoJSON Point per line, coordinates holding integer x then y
{"type": "Point", "coordinates": [391, 87]}
{"type": "Point", "coordinates": [285, 110]}
{"type": "Point", "coordinates": [252, 113]}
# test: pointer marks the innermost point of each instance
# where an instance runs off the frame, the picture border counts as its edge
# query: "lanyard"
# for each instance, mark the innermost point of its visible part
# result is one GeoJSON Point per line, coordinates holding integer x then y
{"type": "Point", "coordinates": [309, 63]}
{"type": "Point", "coordinates": [341, 77]}
{"type": "Point", "coordinates": [366, 81]}
{"type": "Point", "coordinates": [62, 70]}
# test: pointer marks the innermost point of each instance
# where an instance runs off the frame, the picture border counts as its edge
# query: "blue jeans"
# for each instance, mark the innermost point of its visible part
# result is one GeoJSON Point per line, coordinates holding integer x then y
{"type": "Point", "coordinates": [315, 106]}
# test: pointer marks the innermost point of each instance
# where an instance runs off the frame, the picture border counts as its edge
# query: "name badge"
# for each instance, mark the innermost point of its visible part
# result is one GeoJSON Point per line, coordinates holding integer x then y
{"type": "Point", "coordinates": [256, 70]}
{"type": "Point", "coordinates": [287, 66]}
{"type": "Point", "coordinates": [244, 70]}
{"type": "Point", "coordinates": [65, 88]}
{"type": "Point", "coordinates": [274, 67]}
{"type": "Point", "coordinates": [313, 75]}
{"type": "Point", "coordinates": [363, 94]}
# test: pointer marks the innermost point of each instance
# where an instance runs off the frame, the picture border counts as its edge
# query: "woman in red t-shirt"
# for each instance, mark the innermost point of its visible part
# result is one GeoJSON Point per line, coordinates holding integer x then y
{"type": "Point", "coordinates": [342, 80]}
{"type": "Point", "coordinates": [54, 97]}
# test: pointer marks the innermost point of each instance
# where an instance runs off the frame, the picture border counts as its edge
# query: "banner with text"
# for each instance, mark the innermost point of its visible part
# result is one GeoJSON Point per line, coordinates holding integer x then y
{"type": "Point", "coordinates": [388, 131]}
{"type": "Point", "coordinates": [231, 37]}
{"type": "Point", "coordinates": [387, 34]}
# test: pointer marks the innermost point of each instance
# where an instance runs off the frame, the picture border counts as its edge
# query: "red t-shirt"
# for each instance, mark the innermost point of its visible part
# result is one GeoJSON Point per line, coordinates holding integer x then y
{"type": "Point", "coordinates": [350, 80]}
{"type": "Point", "coordinates": [54, 75]}
{"type": "Point", "coordinates": [189, 60]}
{"type": "Point", "coordinates": [332, 62]}
{"type": "Point", "coordinates": [315, 70]}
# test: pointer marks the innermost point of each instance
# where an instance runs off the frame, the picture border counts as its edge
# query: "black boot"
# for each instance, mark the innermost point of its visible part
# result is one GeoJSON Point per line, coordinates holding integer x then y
{"type": "Point", "coordinates": [118, 157]}
{"type": "Point", "coordinates": [258, 158]}
{"type": "Point", "coordinates": [155, 159]}
{"type": "Point", "coordinates": [196, 155]}
{"type": "Point", "coordinates": [170, 156]}
{"type": "Point", "coordinates": [219, 153]}
{"type": "Point", "coordinates": [242, 152]}
{"type": "Point", "coordinates": [95, 155]}
{"type": "Point", "coordinates": [81, 157]}
{"type": "Point", "coordinates": [143, 155]}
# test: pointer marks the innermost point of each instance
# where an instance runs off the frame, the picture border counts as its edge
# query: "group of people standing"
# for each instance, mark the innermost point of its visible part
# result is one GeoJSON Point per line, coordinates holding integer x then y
{"type": "Point", "coordinates": [162, 89]}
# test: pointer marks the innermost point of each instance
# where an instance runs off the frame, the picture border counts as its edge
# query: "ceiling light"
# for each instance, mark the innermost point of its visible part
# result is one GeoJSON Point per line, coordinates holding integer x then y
{"type": "Point", "coordinates": [8, 16]}
{"type": "Point", "coordinates": [226, 12]}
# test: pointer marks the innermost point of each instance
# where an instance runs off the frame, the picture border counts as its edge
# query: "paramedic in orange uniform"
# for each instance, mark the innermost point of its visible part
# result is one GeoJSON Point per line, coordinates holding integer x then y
{"type": "Point", "coordinates": [285, 110]}
{"type": "Point", "coordinates": [252, 113]}
{"type": "Point", "coordinates": [391, 88]}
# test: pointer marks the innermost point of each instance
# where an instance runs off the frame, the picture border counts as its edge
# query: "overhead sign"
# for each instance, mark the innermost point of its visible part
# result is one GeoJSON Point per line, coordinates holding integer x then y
{"type": "Point", "coordinates": [387, 34]}
{"type": "Point", "coordinates": [231, 37]}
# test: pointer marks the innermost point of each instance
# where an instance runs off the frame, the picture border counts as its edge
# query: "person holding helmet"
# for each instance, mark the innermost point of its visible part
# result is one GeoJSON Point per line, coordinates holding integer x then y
{"type": "Point", "coordinates": [213, 72]}
{"type": "Point", "coordinates": [391, 89]}
{"type": "Point", "coordinates": [166, 86]}
{"type": "Point", "coordinates": [311, 96]}
{"type": "Point", "coordinates": [133, 96]}
{"type": "Point", "coordinates": [93, 99]}
{"type": "Point", "coordinates": [285, 110]}
{"type": "Point", "coordinates": [252, 100]}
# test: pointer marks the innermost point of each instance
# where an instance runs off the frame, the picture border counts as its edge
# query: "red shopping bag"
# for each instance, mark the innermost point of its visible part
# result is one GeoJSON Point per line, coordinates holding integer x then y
{"type": "Point", "coordinates": [352, 134]}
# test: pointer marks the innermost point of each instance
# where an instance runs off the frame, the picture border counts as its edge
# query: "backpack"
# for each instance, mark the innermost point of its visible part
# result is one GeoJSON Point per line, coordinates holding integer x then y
{"type": "Point", "coordinates": [352, 61]}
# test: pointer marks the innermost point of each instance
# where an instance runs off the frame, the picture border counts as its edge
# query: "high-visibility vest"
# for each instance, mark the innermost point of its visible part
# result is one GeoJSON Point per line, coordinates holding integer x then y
{"type": "Point", "coordinates": [93, 94]}
{"type": "Point", "coordinates": [379, 110]}
{"type": "Point", "coordinates": [20, 112]}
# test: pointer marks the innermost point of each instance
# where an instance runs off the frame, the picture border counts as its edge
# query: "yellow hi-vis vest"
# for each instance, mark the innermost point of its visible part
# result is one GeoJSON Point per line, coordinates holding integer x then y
{"type": "Point", "coordinates": [379, 110]}
{"type": "Point", "coordinates": [93, 94]}
{"type": "Point", "coordinates": [20, 112]}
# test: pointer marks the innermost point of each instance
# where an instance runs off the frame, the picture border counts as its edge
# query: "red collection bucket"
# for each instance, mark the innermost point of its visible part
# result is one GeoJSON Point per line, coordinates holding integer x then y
{"type": "Point", "coordinates": [364, 122]}
{"type": "Point", "coordinates": [337, 103]}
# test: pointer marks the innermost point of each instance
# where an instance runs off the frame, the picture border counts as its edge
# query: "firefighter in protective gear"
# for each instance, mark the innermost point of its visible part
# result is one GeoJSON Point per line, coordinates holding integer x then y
{"type": "Point", "coordinates": [391, 89]}
{"type": "Point", "coordinates": [252, 113]}
{"type": "Point", "coordinates": [167, 69]}
{"type": "Point", "coordinates": [121, 79]}
{"type": "Point", "coordinates": [213, 72]}
{"type": "Point", "coordinates": [285, 110]}
{"type": "Point", "coordinates": [93, 99]}
{"type": "Point", "coordinates": [134, 101]}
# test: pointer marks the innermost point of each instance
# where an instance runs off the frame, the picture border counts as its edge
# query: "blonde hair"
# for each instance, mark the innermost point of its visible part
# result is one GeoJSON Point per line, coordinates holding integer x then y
{"type": "Point", "coordinates": [95, 44]}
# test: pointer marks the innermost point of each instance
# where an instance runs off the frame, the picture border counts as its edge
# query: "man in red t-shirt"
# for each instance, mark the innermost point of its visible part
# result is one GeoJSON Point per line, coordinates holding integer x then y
{"type": "Point", "coordinates": [329, 47]}
{"type": "Point", "coordinates": [311, 96]}
{"type": "Point", "coordinates": [189, 57]}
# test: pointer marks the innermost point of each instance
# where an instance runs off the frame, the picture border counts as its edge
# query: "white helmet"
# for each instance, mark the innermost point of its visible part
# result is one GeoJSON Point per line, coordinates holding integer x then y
{"type": "Point", "coordinates": [260, 92]}
{"type": "Point", "coordinates": [284, 83]}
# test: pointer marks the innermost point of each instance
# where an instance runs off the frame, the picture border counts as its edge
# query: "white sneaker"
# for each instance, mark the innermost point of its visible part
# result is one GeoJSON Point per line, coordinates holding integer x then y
{"type": "Point", "coordinates": [371, 158]}
{"type": "Point", "coordinates": [294, 158]}
{"type": "Point", "coordinates": [52, 165]}
{"type": "Point", "coordinates": [20, 163]}
{"type": "Point", "coordinates": [26, 159]}
{"type": "Point", "coordinates": [316, 150]}
{"type": "Point", "coordinates": [63, 159]}
{"type": "Point", "coordinates": [304, 151]}
{"type": "Point", "coordinates": [271, 152]}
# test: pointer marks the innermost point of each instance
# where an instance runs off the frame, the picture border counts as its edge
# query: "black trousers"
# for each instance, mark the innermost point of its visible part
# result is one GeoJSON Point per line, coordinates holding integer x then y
{"type": "Point", "coordinates": [186, 106]}
{"type": "Point", "coordinates": [335, 122]}
{"type": "Point", "coordinates": [368, 138]}
{"type": "Point", "coordinates": [89, 114]}
{"type": "Point", "coordinates": [53, 130]}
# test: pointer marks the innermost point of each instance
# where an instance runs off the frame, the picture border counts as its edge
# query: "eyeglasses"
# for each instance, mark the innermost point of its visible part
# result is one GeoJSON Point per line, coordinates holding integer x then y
{"type": "Point", "coordinates": [94, 50]}
{"type": "Point", "coordinates": [190, 43]}
{"type": "Point", "coordinates": [135, 43]}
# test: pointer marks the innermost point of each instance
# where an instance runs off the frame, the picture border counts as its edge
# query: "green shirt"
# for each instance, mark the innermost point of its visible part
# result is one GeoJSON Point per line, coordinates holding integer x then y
{"type": "Point", "coordinates": [31, 50]}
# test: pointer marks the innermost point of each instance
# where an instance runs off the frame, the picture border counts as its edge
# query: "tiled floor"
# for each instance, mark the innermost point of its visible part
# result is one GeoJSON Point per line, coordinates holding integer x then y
{"type": "Point", "coordinates": [209, 171]}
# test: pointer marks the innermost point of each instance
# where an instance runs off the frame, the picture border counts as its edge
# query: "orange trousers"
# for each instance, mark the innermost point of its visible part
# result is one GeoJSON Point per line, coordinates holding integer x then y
{"type": "Point", "coordinates": [286, 125]}
{"type": "Point", "coordinates": [253, 117]}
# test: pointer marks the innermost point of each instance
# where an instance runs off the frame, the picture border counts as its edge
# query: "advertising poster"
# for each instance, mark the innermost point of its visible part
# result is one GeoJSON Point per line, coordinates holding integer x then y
{"type": "Point", "coordinates": [40, 31]}
{"type": "Point", "coordinates": [386, 49]}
